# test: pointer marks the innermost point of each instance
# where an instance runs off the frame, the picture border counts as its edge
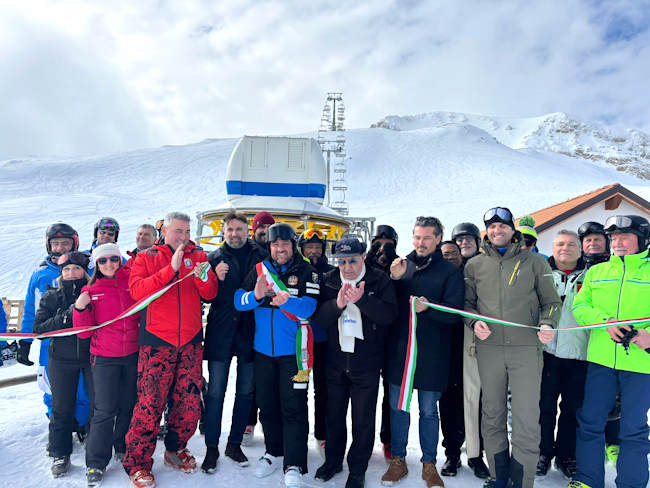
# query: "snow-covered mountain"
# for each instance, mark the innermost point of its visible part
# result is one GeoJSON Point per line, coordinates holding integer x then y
{"type": "Point", "coordinates": [628, 151]}
{"type": "Point", "coordinates": [453, 166]}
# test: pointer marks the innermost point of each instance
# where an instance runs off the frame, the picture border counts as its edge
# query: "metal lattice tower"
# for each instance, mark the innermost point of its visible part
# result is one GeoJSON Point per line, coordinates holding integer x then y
{"type": "Point", "coordinates": [331, 137]}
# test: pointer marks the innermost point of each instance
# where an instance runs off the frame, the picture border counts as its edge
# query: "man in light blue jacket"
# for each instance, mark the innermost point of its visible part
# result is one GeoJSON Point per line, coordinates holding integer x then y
{"type": "Point", "coordinates": [565, 366]}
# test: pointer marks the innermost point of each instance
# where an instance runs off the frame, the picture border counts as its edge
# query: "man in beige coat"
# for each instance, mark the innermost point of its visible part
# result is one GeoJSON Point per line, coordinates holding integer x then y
{"type": "Point", "coordinates": [510, 283]}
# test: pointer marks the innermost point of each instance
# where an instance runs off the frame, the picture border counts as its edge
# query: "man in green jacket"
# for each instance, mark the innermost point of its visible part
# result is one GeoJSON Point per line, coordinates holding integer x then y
{"type": "Point", "coordinates": [514, 284]}
{"type": "Point", "coordinates": [619, 359]}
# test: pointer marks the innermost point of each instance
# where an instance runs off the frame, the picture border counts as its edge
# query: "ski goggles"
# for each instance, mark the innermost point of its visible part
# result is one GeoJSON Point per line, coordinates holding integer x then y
{"type": "Point", "coordinates": [590, 228]}
{"type": "Point", "coordinates": [618, 222]}
{"type": "Point", "coordinates": [498, 213]}
{"type": "Point", "coordinates": [107, 224]}
{"type": "Point", "coordinates": [112, 259]}
{"type": "Point", "coordinates": [343, 262]}
{"type": "Point", "coordinates": [311, 233]}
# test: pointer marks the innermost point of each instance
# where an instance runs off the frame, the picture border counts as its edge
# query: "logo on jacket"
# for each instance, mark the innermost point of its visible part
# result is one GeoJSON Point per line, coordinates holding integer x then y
{"type": "Point", "coordinates": [293, 280]}
{"type": "Point", "coordinates": [314, 277]}
{"type": "Point", "coordinates": [188, 263]}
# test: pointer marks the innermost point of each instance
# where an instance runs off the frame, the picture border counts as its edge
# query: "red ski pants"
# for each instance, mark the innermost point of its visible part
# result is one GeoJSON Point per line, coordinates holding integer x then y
{"type": "Point", "coordinates": [165, 373]}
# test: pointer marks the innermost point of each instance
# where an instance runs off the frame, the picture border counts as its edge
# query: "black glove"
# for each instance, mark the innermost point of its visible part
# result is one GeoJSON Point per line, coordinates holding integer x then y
{"type": "Point", "coordinates": [371, 257]}
{"type": "Point", "coordinates": [22, 355]}
{"type": "Point", "coordinates": [389, 254]}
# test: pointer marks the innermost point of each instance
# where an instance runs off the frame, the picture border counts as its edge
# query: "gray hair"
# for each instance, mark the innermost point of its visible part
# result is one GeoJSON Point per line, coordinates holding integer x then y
{"type": "Point", "coordinates": [149, 227]}
{"type": "Point", "coordinates": [567, 232]}
{"type": "Point", "coordinates": [176, 216]}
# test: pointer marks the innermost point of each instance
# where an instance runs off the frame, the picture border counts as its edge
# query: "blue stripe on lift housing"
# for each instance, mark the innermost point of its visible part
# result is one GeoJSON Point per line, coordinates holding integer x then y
{"type": "Point", "coordinates": [299, 190]}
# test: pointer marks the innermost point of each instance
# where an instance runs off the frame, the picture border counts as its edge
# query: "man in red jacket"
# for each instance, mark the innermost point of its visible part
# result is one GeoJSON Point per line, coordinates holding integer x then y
{"type": "Point", "coordinates": [171, 352]}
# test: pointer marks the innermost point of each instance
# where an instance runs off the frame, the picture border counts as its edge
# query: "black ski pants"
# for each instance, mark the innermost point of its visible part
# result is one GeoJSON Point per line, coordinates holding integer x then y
{"type": "Point", "coordinates": [115, 381]}
{"type": "Point", "coordinates": [320, 390]}
{"type": "Point", "coordinates": [360, 389]}
{"type": "Point", "coordinates": [64, 378]}
{"type": "Point", "coordinates": [452, 418]}
{"type": "Point", "coordinates": [283, 409]}
{"type": "Point", "coordinates": [563, 378]}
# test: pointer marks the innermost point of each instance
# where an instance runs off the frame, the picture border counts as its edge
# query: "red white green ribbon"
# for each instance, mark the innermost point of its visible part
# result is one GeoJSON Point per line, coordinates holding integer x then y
{"type": "Point", "coordinates": [408, 376]}
{"type": "Point", "coordinates": [133, 309]}
{"type": "Point", "coordinates": [304, 335]}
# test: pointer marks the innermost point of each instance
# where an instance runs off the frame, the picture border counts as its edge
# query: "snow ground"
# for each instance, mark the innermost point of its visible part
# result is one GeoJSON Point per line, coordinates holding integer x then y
{"type": "Point", "coordinates": [23, 428]}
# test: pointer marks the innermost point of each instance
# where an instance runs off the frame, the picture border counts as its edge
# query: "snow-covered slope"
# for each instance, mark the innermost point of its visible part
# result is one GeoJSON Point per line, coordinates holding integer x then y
{"type": "Point", "coordinates": [627, 151]}
{"type": "Point", "coordinates": [455, 171]}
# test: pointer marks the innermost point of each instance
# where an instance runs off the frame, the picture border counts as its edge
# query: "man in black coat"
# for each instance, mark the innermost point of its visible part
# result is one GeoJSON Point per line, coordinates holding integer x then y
{"type": "Point", "coordinates": [229, 333]}
{"type": "Point", "coordinates": [356, 306]}
{"type": "Point", "coordinates": [426, 275]}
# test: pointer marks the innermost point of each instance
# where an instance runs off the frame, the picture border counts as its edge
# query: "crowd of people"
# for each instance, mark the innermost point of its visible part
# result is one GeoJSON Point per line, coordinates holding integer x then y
{"type": "Point", "coordinates": [272, 293]}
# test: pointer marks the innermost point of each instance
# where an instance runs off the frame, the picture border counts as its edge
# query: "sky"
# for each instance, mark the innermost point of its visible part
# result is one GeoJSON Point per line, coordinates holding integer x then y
{"type": "Point", "coordinates": [83, 78]}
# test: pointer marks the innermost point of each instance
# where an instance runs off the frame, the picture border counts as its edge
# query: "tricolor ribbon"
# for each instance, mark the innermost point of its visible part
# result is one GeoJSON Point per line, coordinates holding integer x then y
{"type": "Point", "coordinates": [133, 309]}
{"type": "Point", "coordinates": [406, 390]}
{"type": "Point", "coordinates": [304, 335]}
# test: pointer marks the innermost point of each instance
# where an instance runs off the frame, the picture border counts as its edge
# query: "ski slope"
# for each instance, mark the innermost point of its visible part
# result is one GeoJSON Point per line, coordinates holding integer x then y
{"type": "Point", "coordinates": [451, 169]}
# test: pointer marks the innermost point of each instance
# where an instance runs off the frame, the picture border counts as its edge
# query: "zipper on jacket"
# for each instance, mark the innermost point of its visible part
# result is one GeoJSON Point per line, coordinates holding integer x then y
{"type": "Point", "coordinates": [272, 341]}
{"type": "Point", "coordinates": [618, 307]}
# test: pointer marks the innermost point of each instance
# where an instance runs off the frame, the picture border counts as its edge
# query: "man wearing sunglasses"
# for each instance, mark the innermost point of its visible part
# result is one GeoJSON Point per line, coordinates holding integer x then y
{"type": "Point", "coordinates": [618, 356]}
{"type": "Point", "coordinates": [468, 238]}
{"type": "Point", "coordinates": [312, 245]}
{"type": "Point", "coordinates": [427, 275]}
{"type": "Point", "coordinates": [357, 305]}
{"type": "Point", "coordinates": [510, 283]}
{"type": "Point", "coordinates": [106, 230]}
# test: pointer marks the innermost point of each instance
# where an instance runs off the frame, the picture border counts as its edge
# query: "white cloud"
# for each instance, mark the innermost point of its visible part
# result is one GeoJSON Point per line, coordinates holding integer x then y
{"type": "Point", "coordinates": [81, 77]}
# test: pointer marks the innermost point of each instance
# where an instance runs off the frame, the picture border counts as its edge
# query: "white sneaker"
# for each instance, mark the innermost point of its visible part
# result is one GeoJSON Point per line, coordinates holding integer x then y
{"type": "Point", "coordinates": [267, 465]}
{"type": "Point", "coordinates": [321, 448]}
{"type": "Point", "coordinates": [249, 433]}
{"type": "Point", "coordinates": [293, 477]}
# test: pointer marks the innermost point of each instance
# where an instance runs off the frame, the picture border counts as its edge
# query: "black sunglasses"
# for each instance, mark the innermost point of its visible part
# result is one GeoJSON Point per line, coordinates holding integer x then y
{"type": "Point", "coordinates": [112, 259]}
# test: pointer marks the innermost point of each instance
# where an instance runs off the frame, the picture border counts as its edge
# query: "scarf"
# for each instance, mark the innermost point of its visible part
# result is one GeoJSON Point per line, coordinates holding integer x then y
{"type": "Point", "coordinates": [350, 323]}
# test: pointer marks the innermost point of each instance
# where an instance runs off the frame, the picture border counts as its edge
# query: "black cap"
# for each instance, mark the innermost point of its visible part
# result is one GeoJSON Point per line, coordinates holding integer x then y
{"type": "Point", "coordinates": [349, 246]}
{"type": "Point", "coordinates": [74, 257]}
{"type": "Point", "coordinates": [385, 232]}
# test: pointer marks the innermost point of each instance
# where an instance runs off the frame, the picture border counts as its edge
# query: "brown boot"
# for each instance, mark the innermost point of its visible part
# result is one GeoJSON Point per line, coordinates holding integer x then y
{"type": "Point", "coordinates": [395, 472]}
{"type": "Point", "coordinates": [430, 475]}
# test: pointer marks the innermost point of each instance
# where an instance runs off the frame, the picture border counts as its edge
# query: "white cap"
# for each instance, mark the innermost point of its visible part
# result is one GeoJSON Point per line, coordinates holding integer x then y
{"type": "Point", "coordinates": [108, 249]}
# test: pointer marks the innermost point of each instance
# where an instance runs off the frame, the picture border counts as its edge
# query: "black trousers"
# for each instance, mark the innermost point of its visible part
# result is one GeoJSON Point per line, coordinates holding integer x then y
{"type": "Point", "coordinates": [452, 420]}
{"type": "Point", "coordinates": [384, 432]}
{"type": "Point", "coordinates": [283, 409]}
{"type": "Point", "coordinates": [64, 378]}
{"type": "Point", "coordinates": [320, 390]}
{"type": "Point", "coordinates": [565, 378]}
{"type": "Point", "coordinates": [115, 381]}
{"type": "Point", "coordinates": [361, 390]}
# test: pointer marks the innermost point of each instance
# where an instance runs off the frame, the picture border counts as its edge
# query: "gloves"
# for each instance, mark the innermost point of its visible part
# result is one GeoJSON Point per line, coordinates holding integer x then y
{"type": "Point", "coordinates": [389, 254]}
{"type": "Point", "coordinates": [371, 257]}
{"type": "Point", "coordinates": [22, 355]}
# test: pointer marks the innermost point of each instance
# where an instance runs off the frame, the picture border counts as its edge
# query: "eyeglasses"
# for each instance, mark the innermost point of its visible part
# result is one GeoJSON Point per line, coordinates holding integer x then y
{"type": "Point", "coordinates": [343, 262]}
{"type": "Point", "coordinates": [313, 232]}
{"type": "Point", "coordinates": [112, 259]}
{"type": "Point", "coordinates": [465, 238]}
{"type": "Point", "coordinates": [107, 232]}
{"type": "Point", "coordinates": [500, 212]}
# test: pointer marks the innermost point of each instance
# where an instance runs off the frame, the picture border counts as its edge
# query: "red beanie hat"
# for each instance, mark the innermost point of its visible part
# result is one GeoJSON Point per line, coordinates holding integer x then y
{"type": "Point", "coordinates": [262, 218]}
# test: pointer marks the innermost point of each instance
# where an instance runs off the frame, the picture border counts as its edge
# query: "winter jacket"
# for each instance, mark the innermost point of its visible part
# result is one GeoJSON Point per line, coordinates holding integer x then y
{"type": "Point", "coordinates": [275, 332]}
{"type": "Point", "coordinates": [108, 299]}
{"type": "Point", "coordinates": [378, 307]}
{"type": "Point", "coordinates": [573, 344]}
{"type": "Point", "coordinates": [230, 332]}
{"type": "Point", "coordinates": [619, 289]}
{"type": "Point", "coordinates": [441, 282]}
{"type": "Point", "coordinates": [55, 313]}
{"type": "Point", "coordinates": [42, 279]}
{"type": "Point", "coordinates": [174, 319]}
{"type": "Point", "coordinates": [322, 268]}
{"type": "Point", "coordinates": [517, 287]}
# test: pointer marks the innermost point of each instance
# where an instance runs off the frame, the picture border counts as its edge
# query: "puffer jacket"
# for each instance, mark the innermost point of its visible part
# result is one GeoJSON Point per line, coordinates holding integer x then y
{"type": "Point", "coordinates": [568, 344]}
{"type": "Point", "coordinates": [517, 287]}
{"type": "Point", "coordinates": [174, 319]}
{"type": "Point", "coordinates": [618, 289]}
{"type": "Point", "coordinates": [108, 299]}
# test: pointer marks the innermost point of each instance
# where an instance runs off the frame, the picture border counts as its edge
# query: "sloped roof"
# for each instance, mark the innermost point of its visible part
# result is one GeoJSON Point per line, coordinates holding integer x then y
{"type": "Point", "coordinates": [550, 216]}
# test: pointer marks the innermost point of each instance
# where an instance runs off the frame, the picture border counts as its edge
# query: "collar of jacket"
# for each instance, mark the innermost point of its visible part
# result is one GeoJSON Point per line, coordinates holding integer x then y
{"type": "Point", "coordinates": [432, 258]}
{"type": "Point", "coordinates": [632, 261]}
{"type": "Point", "coordinates": [167, 249]}
{"type": "Point", "coordinates": [514, 247]}
{"type": "Point", "coordinates": [292, 265]}
{"type": "Point", "coordinates": [580, 265]}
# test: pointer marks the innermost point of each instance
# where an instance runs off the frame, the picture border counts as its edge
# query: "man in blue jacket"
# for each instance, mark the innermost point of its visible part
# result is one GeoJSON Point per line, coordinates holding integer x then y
{"type": "Point", "coordinates": [60, 238]}
{"type": "Point", "coordinates": [282, 289]}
